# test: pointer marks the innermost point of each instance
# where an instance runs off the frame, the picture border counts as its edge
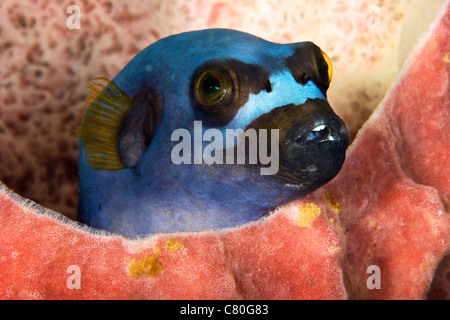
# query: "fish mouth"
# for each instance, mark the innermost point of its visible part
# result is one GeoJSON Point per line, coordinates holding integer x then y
{"type": "Point", "coordinates": [312, 142]}
{"type": "Point", "coordinates": [318, 134]}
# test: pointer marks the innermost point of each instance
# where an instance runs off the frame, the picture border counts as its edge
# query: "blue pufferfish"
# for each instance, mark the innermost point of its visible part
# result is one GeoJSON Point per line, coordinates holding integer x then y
{"type": "Point", "coordinates": [222, 79]}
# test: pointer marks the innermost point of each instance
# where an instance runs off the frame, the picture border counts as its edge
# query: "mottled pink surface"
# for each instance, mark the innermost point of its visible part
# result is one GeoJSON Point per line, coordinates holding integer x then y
{"type": "Point", "coordinates": [393, 194]}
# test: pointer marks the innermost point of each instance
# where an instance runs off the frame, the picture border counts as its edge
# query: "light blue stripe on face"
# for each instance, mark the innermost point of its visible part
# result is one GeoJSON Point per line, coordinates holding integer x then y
{"type": "Point", "coordinates": [285, 90]}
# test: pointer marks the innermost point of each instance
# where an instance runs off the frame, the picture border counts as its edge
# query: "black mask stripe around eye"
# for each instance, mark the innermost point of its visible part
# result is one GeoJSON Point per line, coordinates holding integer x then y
{"type": "Point", "coordinates": [241, 79]}
{"type": "Point", "coordinates": [308, 64]}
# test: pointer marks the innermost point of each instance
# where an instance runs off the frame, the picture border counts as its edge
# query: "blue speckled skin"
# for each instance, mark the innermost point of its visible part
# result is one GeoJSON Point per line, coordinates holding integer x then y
{"type": "Point", "coordinates": [160, 196]}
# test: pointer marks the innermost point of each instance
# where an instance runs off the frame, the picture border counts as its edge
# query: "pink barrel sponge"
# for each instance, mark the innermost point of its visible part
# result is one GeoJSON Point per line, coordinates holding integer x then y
{"type": "Point", "coordinates": [380, 230]}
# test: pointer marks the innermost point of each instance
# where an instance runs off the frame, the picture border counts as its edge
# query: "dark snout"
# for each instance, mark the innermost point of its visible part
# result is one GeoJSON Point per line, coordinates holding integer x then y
{"type": "Point", "coordinates": [312, 142]}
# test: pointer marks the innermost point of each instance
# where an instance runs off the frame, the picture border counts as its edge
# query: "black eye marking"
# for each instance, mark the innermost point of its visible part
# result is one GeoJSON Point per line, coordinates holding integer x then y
{"type": "Point", "coordinates": [322, 66]}
{"type": "Point", "coordinates": [310, 63]}
{"type": "Point", "coordinates": [303, 79]}
{"type": "Point", "coordinates": [221, 87]}
{"type": "Point", "coordinates": [268, 86]}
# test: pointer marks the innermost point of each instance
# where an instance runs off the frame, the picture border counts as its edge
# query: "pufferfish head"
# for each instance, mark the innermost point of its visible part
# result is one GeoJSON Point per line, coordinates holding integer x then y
{"type": "Point", "coordinates": [160, 144]}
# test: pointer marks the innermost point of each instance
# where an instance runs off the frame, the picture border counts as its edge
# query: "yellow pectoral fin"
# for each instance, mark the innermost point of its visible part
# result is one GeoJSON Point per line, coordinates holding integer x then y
{"type": "Point", "coordinates": [106, 109]}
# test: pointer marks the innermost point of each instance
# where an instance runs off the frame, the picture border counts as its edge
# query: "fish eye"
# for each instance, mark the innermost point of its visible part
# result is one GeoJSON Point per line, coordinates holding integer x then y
{"type": "Point", "coordinates": [325, 68]}
{"type": "Point", "coordinates": [212, 87]}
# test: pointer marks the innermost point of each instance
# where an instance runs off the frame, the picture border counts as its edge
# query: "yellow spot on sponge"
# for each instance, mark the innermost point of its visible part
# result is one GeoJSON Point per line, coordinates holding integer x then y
{"type": "Point", "coordinates": [174, 245]}
{"type": "Point", "coordinates": [309, 212]}
{"type": "Point", "coordinates": [447, 57]}
{"type": "Point", "coordinates": [334, 249]}
{"type": "Point", "coordinates": [149, 266]}
{"type": "Point", "coordinates": [332, 202]}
